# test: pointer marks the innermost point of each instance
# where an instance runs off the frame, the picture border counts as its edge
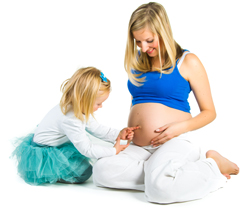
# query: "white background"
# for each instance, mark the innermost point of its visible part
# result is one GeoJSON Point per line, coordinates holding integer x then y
{"type": "Point", "coordinates": [42, 43]}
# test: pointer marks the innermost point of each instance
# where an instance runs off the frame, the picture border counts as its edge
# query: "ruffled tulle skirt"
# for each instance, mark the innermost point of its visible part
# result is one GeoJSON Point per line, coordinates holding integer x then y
{"type": "Point", "coordinates": [44, 164]}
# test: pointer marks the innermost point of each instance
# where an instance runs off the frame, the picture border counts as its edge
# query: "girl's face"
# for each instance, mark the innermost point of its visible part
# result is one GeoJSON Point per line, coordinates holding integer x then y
{"type": "Point", "coordinates": [99, 100]}
{"type": "Point", "coordinates": [147, 41]}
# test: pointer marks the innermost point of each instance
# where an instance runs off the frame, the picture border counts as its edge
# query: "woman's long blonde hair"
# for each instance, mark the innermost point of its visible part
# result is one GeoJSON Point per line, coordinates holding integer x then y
{"type": "Point", "coordinates": [154, 17]}
{"type": "Point", "coordinates": [80, 91]}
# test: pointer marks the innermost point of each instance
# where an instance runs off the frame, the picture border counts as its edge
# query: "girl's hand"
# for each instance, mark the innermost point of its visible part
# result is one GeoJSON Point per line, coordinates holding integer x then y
{"type": "Point", "coordinates": [167, 132]}
{"type": "Point", "coordinates": [120, 147]}
{"type": "Point", "coordinates": [127, 133]}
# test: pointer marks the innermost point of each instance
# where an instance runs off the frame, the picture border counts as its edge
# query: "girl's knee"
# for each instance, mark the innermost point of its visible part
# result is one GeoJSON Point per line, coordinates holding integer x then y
{"type": "Point", "coordinates": [85, 176]}
{"type": "Point", "coordinates": [77, 179]}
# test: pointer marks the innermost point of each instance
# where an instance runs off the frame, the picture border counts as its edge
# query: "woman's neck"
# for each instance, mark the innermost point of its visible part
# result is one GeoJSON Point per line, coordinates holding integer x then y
{"type": "Point", "coordinates": [155, 62]}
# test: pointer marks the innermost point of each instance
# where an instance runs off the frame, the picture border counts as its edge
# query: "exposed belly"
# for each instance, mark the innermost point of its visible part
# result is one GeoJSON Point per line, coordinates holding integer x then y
{"type": "Point", "coordinates": [151, 116]}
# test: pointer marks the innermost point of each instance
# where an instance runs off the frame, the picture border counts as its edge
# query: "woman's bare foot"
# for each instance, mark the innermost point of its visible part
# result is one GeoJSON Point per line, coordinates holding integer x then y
{"type": "Point", "coordinates": [226, 167]}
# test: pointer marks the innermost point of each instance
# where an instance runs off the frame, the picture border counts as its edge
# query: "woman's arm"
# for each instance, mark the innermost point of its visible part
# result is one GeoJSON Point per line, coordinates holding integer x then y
{"type": "Point", "coordinates": [194, 72]}
{"type": "Point", "coordinates": [131, 102]}
{"type": "Point", "coordinates": [197, 77]}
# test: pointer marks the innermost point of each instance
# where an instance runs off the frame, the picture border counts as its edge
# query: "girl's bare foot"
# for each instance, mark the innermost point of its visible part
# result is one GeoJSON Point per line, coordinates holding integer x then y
{"type": "Point", "coordinates": [226, 167]}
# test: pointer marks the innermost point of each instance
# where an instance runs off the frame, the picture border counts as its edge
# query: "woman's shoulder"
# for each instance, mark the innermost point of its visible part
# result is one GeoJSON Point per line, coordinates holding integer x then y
{"type": "Point", "coordinates": [191, 58]}
{"type": "Point", "coordinates": [191, 66]}
{"type": "Point", "coordinates": [192, 62]}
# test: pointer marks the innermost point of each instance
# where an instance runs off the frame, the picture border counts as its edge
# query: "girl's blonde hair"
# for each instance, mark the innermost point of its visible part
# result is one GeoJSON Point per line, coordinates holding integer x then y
{"type": "Point", "coordinates": [154, 17]}
{"type": "Point", "coordinates": [80, 91]}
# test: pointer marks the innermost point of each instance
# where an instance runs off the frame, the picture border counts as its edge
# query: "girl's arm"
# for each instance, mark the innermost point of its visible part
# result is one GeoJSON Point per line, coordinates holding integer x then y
{"type": "Point", "coordinates": [107, 133]}
{"type": "Point", "coordinates": [194, 72]}
{"type": "Point", "coordinates": [101, 131]}
{"type": "Point", "coordinates": [74, 129]}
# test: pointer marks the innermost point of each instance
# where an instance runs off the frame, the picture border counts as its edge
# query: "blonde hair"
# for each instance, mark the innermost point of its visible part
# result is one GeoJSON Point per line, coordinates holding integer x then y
{"type": "Point", "coordinates": [80, 91]}
{"type": "Point", "coordinates": [154, 17]}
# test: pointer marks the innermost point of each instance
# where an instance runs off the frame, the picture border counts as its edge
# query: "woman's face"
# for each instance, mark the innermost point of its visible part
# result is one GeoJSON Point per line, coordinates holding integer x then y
{"type": "Point", "coordinates": [147, 41]}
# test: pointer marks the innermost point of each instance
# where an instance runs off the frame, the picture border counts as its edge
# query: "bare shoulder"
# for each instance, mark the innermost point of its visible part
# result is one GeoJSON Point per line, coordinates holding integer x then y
{"type": "Point", "coordinates": [191, 66]}
{"type": "Point", "coordinates": [192, 61]}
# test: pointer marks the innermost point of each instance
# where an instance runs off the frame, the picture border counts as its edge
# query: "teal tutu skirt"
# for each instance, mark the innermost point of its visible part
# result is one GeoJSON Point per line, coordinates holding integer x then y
{"type": "Point", "coordinates": [44, 164]}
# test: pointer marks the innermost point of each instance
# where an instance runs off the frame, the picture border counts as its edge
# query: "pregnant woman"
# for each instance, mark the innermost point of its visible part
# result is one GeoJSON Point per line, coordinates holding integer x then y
{"type": "Point", "coordinates": [161, 160]}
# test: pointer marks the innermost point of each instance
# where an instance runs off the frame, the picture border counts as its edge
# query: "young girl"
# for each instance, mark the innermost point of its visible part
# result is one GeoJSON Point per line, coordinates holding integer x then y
{"type": "Point", "coordinates": [162, 161]}
{"type": "Point", "coordinates": [59, 151]}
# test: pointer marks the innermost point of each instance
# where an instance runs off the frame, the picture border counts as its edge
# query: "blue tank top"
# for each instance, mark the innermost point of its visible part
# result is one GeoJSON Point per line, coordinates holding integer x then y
{"type": "Point", "coordinates": [171, 89]}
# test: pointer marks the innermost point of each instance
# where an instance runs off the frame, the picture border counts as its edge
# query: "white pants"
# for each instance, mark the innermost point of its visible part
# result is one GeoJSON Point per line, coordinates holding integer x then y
{"type": "Point", "coordinates": [170, 173]}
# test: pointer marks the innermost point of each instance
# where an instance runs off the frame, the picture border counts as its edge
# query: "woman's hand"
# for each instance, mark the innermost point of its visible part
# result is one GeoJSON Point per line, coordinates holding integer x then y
{"type": "Point", "coordinates": [167, 132]}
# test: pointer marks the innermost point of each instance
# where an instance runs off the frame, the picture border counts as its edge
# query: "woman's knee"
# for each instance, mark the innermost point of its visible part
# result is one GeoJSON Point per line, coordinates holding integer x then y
{"type": "Point", "coordinates": [157, 191]}
{"type": "Point", "coordinates": [102, 172]}
{"type": "Point", "coordinates": [119, 172]}
{"type": "Point", "coordinates": [160, 183]}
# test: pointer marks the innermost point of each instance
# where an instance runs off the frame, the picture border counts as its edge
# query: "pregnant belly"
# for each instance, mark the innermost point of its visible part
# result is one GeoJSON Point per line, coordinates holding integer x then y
{"type": "Point", "coordinates": [151, 116]}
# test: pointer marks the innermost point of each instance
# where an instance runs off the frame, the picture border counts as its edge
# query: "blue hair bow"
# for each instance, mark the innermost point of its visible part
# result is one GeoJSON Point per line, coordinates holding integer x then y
{"type": "Point", "coordinates": [104, 79]}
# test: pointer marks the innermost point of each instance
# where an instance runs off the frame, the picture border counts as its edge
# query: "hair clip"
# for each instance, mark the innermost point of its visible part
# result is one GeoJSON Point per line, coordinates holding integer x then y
{"type": "Point", "coordinates": [104, 79]}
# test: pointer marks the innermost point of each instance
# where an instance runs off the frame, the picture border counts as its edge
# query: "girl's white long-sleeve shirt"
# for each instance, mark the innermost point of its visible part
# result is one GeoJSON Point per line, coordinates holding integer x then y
{"type": "Point", "coordinates": [56, 129]}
